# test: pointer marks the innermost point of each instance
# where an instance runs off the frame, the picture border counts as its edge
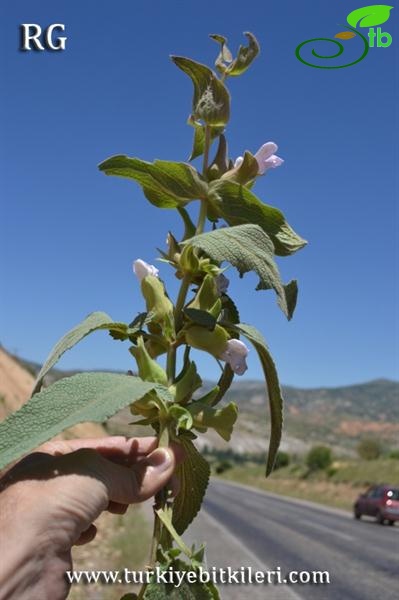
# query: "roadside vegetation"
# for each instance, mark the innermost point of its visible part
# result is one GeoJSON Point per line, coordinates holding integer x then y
{"type": "Point", "coordinates": [317, 476]}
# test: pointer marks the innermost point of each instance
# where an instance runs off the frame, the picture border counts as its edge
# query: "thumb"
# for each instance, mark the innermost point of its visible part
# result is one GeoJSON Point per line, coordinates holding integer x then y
{"type": "Point", "coordinates": [127, 485]}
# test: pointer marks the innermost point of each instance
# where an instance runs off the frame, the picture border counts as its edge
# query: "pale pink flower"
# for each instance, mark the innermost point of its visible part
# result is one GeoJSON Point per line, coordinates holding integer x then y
{"type": "Point", "coordinates": [235, 354]}
{"type": "Point", "coordinates": [266, 157]}
{"type": "Point", "coordinates": [142, 269]}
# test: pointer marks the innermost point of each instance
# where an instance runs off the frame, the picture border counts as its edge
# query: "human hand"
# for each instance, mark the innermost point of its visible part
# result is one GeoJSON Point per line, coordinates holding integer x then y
{"type": "Point", "coordinates": [50, 499]}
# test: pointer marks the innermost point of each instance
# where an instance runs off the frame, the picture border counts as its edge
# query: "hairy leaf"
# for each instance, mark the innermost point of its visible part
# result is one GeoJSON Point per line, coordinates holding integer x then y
{"type": "Point", "coordinates": [273, 388]}
{"type": "Point", "coordinates": [77, 399]}
{"type": "Point", "coordinates": [248, 248]}
{"type": "Point", "coordinates": [193, 475]}
{"type": "Point", "coordinates": [211, 100]}
{"type": "Point", "coordinates": [93, 322]}
{"type": "Point", "coordinates": [237, 205]}
{"type": "Point", "coordinates": [369, 16]}
{"type": "Point", "coordinates": [165, 184]}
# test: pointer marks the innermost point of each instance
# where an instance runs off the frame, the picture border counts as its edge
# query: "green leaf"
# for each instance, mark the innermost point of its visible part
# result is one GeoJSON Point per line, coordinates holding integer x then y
{"type": "Point", "coordinates": [369, 16]}
{"type": "Point", "coordinates": [245, 56]}
{"type": "Point", "coordinates": [211, 100]}
{"type": "Point", "coordinates": [229, 310]}
{"type": "Point", "coordinates": [222, 420]}
{"type": "Point", "coordinates": [165, 517]}
{"type": "Point", "coordinates": [193, 475]}
{"type": "Point", "coordinates": [199, 137]}
{"type": "Point", "coordinates": [185, 591]}
{"type": "Point", "coordinates": [236, 204]}
{"type": "Point", "coordinates": [247, 248]}
{"type": "Point", "coordinates": [273, 388]}
{"type": "Point", "coordinates": [165, 184]}
{"type": "Point", "coordinates": [201, 317]}
{"type": "Point", "coordinates": [291, 295]}
{"type": "Point", "coordinates": [93, 322]}
{"type": "Point", "coordinates": [77, 399]}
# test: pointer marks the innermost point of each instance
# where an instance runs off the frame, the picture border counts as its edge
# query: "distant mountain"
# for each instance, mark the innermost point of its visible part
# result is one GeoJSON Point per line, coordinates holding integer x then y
{"type": "Point", "coordinates": [337, 416]}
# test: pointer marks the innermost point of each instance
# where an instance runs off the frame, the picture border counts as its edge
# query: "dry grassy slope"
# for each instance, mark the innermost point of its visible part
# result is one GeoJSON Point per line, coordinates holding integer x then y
{"type": "Point", "coordinates": [16, 384]}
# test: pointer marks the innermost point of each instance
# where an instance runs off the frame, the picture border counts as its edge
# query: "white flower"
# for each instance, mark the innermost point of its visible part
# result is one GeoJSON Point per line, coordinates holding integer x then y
{"type": "Point", "coordinates": [142, 269]}
{"type": "Point", "coordinates": [222, 283]}
{"type": "Point", "coordinates": [235, 354]}
{"type": "Point", "coordinates": [265, 157]}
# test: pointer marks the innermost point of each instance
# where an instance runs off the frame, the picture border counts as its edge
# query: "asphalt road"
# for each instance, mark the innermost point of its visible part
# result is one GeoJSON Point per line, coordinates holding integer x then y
{"type": "Point", "coordinates": [245, 527]}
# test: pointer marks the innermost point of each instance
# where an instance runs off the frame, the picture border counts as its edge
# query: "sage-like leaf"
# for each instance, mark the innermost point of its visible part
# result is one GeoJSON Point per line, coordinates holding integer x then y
{"type": "Point", "coordinates": [248, 248]}
{"type": "Point", "coordinates": [93, 322]}
{"type": "Point", "coordinates": [211, 100]}
{"type": "Point", "coordinates": [273, 389]}
{"type": "Point", "coordinates": [81, 398]}
{"type": "Point", "coordinates": [165, 184]}
{"type": "Point", "coordinates": [237, 205]}
{"type": "Point", "coordinates": [193, 475]}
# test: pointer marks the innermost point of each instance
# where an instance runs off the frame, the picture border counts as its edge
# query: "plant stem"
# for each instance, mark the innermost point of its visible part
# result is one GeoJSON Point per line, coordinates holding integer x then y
{"type": "Point", "coordinates": [161, 497]}
{"type": "Point", "coordinates": [206, 149]}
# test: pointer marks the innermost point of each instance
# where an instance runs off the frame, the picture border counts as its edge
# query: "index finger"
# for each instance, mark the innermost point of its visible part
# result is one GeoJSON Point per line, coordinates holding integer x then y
{"type": "Point", "coordinates": [116, 448]}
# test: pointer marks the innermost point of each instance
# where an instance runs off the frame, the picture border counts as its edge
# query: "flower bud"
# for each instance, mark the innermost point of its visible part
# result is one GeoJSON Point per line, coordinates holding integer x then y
{"type": "Point", "coordinates": [149, 369]}
{"type": "Point", "coordinates": [158, 304]}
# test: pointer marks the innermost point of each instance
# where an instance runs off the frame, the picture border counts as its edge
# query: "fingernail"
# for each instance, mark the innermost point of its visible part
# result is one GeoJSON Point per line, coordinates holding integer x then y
{"type": "Point", "coordinates": [160, 459]}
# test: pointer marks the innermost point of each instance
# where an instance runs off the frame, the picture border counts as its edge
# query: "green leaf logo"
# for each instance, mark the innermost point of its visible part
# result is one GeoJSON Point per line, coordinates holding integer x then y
{"type": "Point", "coordinates": [369, 16]}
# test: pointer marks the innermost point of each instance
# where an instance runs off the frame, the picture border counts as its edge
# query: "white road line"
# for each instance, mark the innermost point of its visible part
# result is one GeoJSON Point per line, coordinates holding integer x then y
{"type": "Point", "coordinates": [328, 530]}
{"type": "Point", "coordinates": [257, 563]}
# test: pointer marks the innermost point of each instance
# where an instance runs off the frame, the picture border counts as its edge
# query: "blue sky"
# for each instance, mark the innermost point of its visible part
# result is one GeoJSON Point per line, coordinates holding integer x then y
{"type": "Point", "coordinates": [69, 234]}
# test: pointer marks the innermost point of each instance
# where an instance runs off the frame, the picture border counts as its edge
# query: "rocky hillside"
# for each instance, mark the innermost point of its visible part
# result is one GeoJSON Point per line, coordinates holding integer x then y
{"type": "Point", "coordinates": [16, 384]}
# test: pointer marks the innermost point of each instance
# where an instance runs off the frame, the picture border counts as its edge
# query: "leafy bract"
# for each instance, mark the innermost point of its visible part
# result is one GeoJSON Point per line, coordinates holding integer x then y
{"type": "Point", "coordinates": [246, 54]}
{"type": "Point", "coordinates": [369, 16]}
{"type": "Point", "coordinates": [273, 388]}
{"type": "Point", "coordinates": [77, 399]}
{"type": "Point", "coordinates": [199, 137]}
{"type": "Point", "coordinates": [93, 322]}
{"type": "Point", "coordinates": [237, 205]}
{"type": "Point", "coordinates": [165, 184]}
{"type": "Point", "coordinates": [211, 100]}
{"type": "Point", "coordinates": [222, 420]}
{"type": "Point", "coordinates": [248, 248]}
{"type": "Point", "coordinates": [193, 474]}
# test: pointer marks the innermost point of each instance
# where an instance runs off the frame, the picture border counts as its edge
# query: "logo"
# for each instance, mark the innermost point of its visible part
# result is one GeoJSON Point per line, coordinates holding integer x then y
{"type": "Point", "coordinates": [34, 38]}
{"type": "Point", "coordinates": [367, 17]}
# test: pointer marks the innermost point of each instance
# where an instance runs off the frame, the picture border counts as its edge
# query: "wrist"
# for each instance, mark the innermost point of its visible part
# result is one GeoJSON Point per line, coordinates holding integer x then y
{"type": "Point", "coordinates": [29, 563]}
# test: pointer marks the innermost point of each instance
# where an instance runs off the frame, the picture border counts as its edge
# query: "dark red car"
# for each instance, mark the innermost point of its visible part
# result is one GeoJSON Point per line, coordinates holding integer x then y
{"type": "Point", "coordinates": [381, 502]}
